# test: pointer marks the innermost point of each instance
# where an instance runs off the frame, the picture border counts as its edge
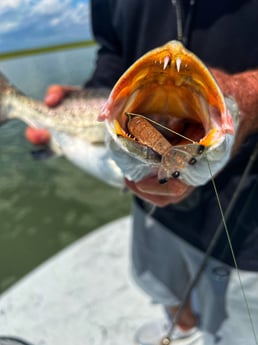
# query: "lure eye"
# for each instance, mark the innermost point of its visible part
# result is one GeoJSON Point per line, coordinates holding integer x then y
{"type": "Point", "coordinates": [176, 174]}
{"type": "Point", "coordinates": [163, 180]}
{"type": "Point", "coordinates": [200, 149]}
{"type": "Point", "coordinates": [192, 161]}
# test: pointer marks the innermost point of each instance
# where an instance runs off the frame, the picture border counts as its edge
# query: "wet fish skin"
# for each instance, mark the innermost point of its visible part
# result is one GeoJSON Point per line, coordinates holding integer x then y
{"type": "Point", "coordinates": [171, 84]}
{"type": "Point", "coordinates": [77, 114]}
{"type": "Point", "coordinates": [75, 130]}
{"type": "Point", "coordinates": [168, 81]}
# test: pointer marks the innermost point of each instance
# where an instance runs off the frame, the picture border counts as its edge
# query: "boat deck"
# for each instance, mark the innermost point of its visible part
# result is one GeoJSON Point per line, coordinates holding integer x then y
{"type": "Point", "coordinates": [83, 295]}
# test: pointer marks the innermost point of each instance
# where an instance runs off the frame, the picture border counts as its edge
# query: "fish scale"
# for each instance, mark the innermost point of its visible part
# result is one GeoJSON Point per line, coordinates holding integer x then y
{"type": "Point", "coordinates": [172, 85]}
{"type": "Point", "coordinates": [75, 130]}
{"type": "Point", "coordinates": [168, 83]}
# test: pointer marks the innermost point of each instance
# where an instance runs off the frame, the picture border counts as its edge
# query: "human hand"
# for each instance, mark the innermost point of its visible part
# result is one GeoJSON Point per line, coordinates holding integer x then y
{"type": "Point", "coordinates": [161, 195]}
{"type": "Point", "coordinates": [243, 87]}
{"type": "Point", "coordinates": [54, 96]}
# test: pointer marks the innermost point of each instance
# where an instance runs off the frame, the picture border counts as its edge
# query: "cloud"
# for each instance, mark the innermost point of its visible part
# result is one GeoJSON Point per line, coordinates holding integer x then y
{"type": "Point", "coordinates": [26, 23]}
{"type": "Point", "coordinates": [7, 27]}
{"type": "Point", "coordinates": [49, 7]}
{"type": "Point", "coordinates": [7, 5]}
{"type": "Point", "coordinates": [79, 15]}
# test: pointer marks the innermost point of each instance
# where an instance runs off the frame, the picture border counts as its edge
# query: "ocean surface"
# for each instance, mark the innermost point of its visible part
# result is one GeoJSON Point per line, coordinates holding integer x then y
{"type": "Point", "coordinates": [46, 205]}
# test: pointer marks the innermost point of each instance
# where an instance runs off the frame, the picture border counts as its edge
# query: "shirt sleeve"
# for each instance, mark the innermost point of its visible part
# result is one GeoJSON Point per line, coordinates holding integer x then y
{"type": "Point", "coordinates": [109, 63]}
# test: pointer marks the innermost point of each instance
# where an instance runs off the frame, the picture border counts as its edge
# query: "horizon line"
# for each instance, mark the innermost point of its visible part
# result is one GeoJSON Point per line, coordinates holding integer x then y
{"type": "Point", "coordinates": [45, 49]}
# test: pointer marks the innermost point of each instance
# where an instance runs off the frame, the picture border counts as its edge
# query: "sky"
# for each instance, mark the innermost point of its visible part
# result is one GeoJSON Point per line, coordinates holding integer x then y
{"type": "Point", "coordinates": [35, 23]}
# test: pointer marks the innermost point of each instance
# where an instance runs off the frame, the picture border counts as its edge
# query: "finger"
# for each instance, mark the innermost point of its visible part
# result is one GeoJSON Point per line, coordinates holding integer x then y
{"type": "Point", "coordinates": [37, 136]}
{"type": "Point", "coordinates": [151, 185]}
{"type": "Point", "coordinates": [157, 200]}
{"type": "Point", "coordinates": [56, 93]}
{"type": "Point", "coordinates": [157, 194]}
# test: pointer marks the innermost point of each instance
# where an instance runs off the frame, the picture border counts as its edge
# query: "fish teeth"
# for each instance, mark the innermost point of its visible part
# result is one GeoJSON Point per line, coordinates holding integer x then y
{"type": "Point", "coordinates": [178, 64]}
{"type": "Point", "coordinates": [167, 61]}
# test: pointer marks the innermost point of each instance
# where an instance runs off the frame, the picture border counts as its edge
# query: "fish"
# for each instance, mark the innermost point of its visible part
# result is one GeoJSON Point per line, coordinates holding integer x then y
{"type": "Point", "coordinates": [168, 114]}
{"type": "Point", "coordinates": [75, 131]}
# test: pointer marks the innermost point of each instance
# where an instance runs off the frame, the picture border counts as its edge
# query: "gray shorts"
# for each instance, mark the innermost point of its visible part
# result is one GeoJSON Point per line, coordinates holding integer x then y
{"type": "Point", "coordinates": [163, 265]}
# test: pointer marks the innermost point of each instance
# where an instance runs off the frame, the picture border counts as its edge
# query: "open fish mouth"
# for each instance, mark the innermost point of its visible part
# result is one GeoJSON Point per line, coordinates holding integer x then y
{"type": "Point", "coordinates": [167, 110]}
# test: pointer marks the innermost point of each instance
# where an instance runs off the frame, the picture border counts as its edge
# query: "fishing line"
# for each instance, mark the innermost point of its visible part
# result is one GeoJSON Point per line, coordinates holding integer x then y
{"type": "Point", "coordinates": [240, 218]}
{"type": "Point", "coordinates": [162, 126]}
{"type": "Point", "coordinates": [222, 226]}
{"type": "Point", "coordinates": [167, 339]}
{"type": "Point", "coordinates": [150, 209]}
{"type": "Point", "coordinates": [183, 31]}
{"type": "Point", "coordinates": [183, 36]}
{"type": "Point", "coordinates": [233, 253]}
{"type": "Point", "coordinates": [179, 21]}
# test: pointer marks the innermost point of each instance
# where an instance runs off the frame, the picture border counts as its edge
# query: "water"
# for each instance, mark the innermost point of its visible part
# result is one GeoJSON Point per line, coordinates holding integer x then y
{"type": "Point", "coordinates": [46, 205]}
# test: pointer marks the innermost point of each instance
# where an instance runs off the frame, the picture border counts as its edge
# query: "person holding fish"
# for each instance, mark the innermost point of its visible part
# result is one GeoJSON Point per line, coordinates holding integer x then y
{"type": "Point", "coordinates": [169, 106]}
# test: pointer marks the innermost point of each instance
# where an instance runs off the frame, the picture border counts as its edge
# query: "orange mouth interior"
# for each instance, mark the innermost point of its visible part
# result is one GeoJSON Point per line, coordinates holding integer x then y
{"type": "Point", "coordinates": [181, 96]}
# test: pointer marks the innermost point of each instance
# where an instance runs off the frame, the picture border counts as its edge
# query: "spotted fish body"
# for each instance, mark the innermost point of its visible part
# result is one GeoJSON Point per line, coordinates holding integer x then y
{"type": "Point", "coordinates": [180, 121]}
{"type": "Point", "coordinates": [75, 130]}
{"type": "Point", "coordinates": [176, 93]}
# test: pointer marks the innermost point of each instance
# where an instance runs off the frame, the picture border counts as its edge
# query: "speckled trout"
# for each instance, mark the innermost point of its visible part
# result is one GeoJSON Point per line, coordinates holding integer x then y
{"type": "Point", "coordinates": [75, 130]}
{"type": "Point", "coordinates": [165, 117]}
{"type": "Point", "coordinates": [168, 112]}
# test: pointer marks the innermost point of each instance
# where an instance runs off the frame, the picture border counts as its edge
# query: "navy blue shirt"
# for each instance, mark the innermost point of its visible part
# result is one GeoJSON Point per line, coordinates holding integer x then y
{"type": "Point", "coordinates": [223, 34]}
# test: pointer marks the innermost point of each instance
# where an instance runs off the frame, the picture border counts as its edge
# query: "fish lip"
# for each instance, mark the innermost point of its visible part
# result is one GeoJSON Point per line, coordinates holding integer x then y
{"type": "Point", "coordinates": [169, 72]}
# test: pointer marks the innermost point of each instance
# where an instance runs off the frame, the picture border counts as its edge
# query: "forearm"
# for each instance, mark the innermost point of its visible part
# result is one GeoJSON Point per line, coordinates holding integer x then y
{"type": "Point", "coordinates": [244, 88]}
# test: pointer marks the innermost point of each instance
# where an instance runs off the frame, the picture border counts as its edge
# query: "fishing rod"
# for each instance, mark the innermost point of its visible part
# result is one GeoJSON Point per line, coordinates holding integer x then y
{"type": "Point", "coordinates": [183, 34]}
{"type": "Point", "coordinates": [166, 340]}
